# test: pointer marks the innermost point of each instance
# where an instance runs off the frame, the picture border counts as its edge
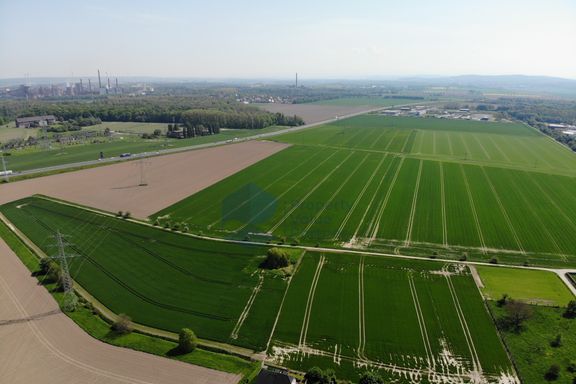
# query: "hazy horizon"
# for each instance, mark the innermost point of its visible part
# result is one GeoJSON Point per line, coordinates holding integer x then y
{"type": "Point", "coordinates": [253, 40]}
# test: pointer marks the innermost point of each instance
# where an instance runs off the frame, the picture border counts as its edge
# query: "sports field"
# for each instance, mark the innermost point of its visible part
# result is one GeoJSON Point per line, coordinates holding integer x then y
{"type": "Point", "coordinates": [418, 321]}
{"type": "Point", "coordinates": [359, 183]}
{"type": "Point", "coordinates": [158, 278]}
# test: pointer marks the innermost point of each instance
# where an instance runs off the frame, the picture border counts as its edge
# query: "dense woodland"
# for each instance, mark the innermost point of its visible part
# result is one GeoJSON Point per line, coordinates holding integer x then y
{"type": "Point", "coordinates": [208, 111]}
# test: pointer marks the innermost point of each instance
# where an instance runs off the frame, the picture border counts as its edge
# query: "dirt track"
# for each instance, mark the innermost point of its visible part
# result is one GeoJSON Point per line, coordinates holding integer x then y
{"type": "Point", "coordinates": [39, 344]}
{"type": "Point", "coordinates": [170, 178]}
{"type": "Point", "coordinates": [312, 113]}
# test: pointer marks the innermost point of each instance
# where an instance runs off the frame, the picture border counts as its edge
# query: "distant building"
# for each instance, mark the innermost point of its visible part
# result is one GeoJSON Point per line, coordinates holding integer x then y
{"type": "Point", "coordinates": [274, 376]}
{"type": "Point", "coordinates": [35, 121]}
{"type": "Point", "coordinates": [177, 133]}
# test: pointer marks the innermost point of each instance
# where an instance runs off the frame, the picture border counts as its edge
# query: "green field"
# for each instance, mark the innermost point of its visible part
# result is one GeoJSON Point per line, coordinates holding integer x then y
{"type": "Point", "coordinates": [37, 157]}
{"type": "Point", "coordinates": [333, 189]}
{"type": "Point", "coordinates": [531, 286]}
{"type": "Point", "coordinates": [419, 321]}
{"type": "Point", "coordinates": [531, 348]}
{"type": "Point", "coordinates": [160, 279]}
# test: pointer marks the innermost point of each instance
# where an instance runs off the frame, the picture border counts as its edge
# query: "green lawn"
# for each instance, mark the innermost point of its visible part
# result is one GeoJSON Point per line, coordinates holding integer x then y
{"type": "Point", "coordinates": [531, 349]}
{"type": "Point", "coordinates": [532, 286]}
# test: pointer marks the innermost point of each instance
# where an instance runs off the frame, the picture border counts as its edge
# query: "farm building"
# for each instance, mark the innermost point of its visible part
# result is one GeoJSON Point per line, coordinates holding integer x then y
{"type": "Point", "coordinates": [35, 121]}
{"type": "Point", "coordinates": [274, 376]}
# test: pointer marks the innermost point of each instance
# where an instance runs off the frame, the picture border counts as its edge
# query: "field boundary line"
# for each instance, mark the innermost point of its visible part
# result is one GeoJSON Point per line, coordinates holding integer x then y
{"type": "Point", "coordinates": [360, 195]}
{"type": "Point", "coordinates": [477, 366]}
{"type": "Point", "coordinates": [247, 307]}
{"type": "Point", "coordinates": [285, 192]}
{"type": "Point", "coordinates": [384, 204]}
{"type": "Point", "coordinates": [421, 322]}
{"type": "Point", "coordinates": [414, 204]}
{"type": "Point", "coordinates": [275, 226]}
{"type": "Point", "coordinates": [261, 190]}
{"type": "Point", "coordinates": [396, 131]}
{"type": "Point", "coordinates": [372, 199]}
{"type": "Point", "coordinates": [503, 210]}
{"type": "Point", "coordinates": [443, 202]}
{"type": "Point", "coordinates": [317, 216]}
{"type": "Point", "coordinates": [473, 207]}
{"type": "Point", "coordinates": [434, 143]}
{"type": "Point", "coordinates": [310, 302]}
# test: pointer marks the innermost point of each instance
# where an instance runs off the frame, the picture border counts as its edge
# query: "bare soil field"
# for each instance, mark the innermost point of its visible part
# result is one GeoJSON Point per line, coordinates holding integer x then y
{"type": "Point", "coordinates": [169, 179]}
{"type": "Point", "coordinates": [313, 113]}
{"type": "Point", "coordinates": [41, 344]}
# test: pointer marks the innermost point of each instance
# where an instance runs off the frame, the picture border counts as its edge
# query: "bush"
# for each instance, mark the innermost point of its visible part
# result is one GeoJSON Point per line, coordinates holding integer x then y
{"type": "Point", "coordinates": [127, 215]}
{"type": "Point", "coordinates": [187, 341]}
{"type": "Point", "coordinates": [370, 378]}
{"type": "Point", "coordinates": [571, 367]}
{"type": "Point", "coordinates": [317, 376]}
{"type": "Point", "coordinates": [503, 300]}
{"type": "Point", "coordinates": [493, 260]}
{"type": "Point", "coordinates": [552, 373]}
{"type": "Point", "coordinates": [275, 258]}
{"type": "Point", "coordinates": [123, 324]}
{"type": "Point", "coordinates": [557, 342]}
{"type": "Point", "coordinates": [119, 214]}
{"type": "Point", "coordinates": [570, 312]}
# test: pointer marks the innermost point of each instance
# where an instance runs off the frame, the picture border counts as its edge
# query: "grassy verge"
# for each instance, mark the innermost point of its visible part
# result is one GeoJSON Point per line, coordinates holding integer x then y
{"type": "Point", "coordinates": [96, 327]}
{"type": "Point", "coordinates": [532, 350]}
{"type": "Point", "coordinates": [531, 286]}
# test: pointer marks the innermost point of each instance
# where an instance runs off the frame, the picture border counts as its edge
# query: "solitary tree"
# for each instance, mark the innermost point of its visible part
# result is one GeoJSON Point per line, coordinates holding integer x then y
{"type": "Point", "coordinates": [187, 341]}
{"type": "Point", "coordinates": [557, 342]}
{"type": "Point", "coordinates": [516, 313]}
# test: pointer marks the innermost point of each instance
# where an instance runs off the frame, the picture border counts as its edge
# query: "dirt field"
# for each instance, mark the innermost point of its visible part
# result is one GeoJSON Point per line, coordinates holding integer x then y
{"type": "Point", "coordinates": [40, 344]}
{"type": "Point", "coordinates": [170, 178]}
{"type": "Point", "coordinates": [312, 113]}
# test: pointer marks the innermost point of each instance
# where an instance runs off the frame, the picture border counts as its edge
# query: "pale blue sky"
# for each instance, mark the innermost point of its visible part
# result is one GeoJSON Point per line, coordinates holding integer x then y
{"type": "Point", "coordinates": [270, 39]}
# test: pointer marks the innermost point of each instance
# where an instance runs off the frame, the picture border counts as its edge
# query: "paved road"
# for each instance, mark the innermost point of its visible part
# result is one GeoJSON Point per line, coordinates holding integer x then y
{"type": "Point", "coordinates": [192, 147]}
{"type": "Point", "coordinates": [39, 344]}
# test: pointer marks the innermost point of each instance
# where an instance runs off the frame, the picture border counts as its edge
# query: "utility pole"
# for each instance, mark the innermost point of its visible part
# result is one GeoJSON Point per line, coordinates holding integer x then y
{"type": "Point", "coordinates": [70, 299]}
{"type": "Point", "coordinates": [142, 163]}
{"type": "Point", "coordinates": [6, 176]}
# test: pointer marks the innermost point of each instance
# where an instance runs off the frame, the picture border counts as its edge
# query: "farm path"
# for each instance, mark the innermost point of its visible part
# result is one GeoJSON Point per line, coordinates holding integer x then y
{"type": "Point", "coordinates": [41, 344]}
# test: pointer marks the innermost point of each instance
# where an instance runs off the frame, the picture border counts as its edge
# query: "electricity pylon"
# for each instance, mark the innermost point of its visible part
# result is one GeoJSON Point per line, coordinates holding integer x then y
{"type": "Point", "coordinates": [70, 299]}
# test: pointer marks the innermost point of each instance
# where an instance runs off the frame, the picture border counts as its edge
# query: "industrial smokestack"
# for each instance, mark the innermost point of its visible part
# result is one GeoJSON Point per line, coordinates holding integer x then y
{"type": "Point", "coordinates": [109, 83]}
{"type": "Point", "coordinates": [116, 83]}
{"type": "Point", "coordinates": [99, 80]}
{"type": "Point", "coordinates": [296, 79]}
{"type": "Point", "coordinates": [89, 85]}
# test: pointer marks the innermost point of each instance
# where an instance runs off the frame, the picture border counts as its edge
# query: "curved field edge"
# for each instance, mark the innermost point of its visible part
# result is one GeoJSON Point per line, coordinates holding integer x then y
{"type": "Point", "coordinates": [161, 279]}
{"type": "Point", "coordinates": [97, 327]}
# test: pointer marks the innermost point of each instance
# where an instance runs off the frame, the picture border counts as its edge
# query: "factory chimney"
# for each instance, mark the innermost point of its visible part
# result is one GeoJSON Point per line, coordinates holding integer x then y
{"type": "Point", "coordinates": [99, 80]}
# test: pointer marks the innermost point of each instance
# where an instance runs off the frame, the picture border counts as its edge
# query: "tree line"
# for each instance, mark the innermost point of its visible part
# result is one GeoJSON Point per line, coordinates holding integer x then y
{"type": "Point", "coordinates": [211, 112]}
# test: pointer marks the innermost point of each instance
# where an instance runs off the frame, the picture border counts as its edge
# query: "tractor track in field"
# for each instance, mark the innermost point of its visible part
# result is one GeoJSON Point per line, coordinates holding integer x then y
{"type": "Point", "coordinates": [421, 323]}
{"type": "Point", "coordinates": [413, 208]}
{"type": "Point", "coordinates": [317, 216]}
{"type": "Point", "coordinates": [473, 208]}
{"type": "Point", "coordinates": [284, 193]}
{"type": "Point", "coordinates": [504, 155]}
{"type": "Point", "coordinates": [443, 202]}
{"type": "Point", "coordinates": [263, 189]}
{"type": "Point", "coordinates": [310, 302]}
{"type": "Point", "coordinates": [310, 192]}
{"type": "Point", "coordinates": [247, 307]}
{"type": "Point", "coordinates": [378, 217]}
{"type": "Point", "coordinates": [361, 312]}
{"type": "Point", "coordinates": [482, 147]}
{"type": "Point", "coordinates": [503, 210]}
{"type": "Point", "coordinates": [358, 198]}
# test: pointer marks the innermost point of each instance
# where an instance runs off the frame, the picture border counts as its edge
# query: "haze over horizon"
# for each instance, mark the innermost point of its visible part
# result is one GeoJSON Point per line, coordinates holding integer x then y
{"type": "Point", "coordinates": [321, 40]}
